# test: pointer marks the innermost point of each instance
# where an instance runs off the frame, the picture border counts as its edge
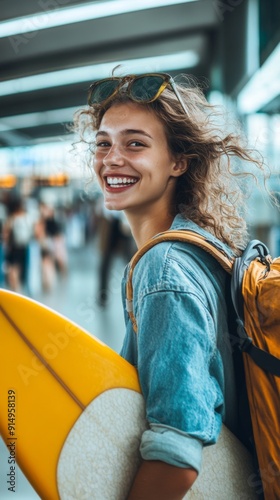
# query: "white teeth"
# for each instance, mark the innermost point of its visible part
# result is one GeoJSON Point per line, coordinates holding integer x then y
{"type": "Point", "coordinates": [116, 181]}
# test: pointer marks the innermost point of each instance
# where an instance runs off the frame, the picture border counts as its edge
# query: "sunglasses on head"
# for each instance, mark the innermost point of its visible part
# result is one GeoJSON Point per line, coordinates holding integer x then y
{"type": "Point", "coordinates": [142, 88]}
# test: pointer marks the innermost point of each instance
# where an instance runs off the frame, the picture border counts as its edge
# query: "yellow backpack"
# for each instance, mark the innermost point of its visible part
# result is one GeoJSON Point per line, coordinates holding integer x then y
{"type": "Point", "coordinates": [255, 296]}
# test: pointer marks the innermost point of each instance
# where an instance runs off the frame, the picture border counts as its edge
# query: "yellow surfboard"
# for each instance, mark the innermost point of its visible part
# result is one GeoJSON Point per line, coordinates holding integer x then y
{"type": "Point", "coordinates": [72, 413]}
{"type": "Point", "coordinates": [51, 371]}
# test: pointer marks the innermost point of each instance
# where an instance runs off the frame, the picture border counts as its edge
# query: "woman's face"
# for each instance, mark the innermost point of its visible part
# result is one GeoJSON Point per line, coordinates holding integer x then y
{"type": "Point", "coordinates": [133, 164]}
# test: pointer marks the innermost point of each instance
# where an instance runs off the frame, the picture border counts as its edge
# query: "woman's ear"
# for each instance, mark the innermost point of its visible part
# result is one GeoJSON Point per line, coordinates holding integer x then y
{"type": "Point", "coordinates": [180, 166]}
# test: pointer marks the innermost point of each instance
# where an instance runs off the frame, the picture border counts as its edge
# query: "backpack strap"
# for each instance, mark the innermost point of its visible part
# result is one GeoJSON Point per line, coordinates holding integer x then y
{"type": "Point", "coordinates": [263, 359]}
{"type": "Point", "coordinates": [255, 249]}
{"type": "Point", "coordinates": [266, 361]}
{"type": "Point", "coordinates": [173, 235]}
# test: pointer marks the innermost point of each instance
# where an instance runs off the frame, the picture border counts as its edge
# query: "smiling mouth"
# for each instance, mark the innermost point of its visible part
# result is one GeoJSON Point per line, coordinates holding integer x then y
{"type": "Point", "coordinates": [120, 182]}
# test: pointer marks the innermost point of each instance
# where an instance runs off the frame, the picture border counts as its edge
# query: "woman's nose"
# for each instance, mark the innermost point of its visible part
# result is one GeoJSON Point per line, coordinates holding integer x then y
{"type": "Point", "coordinates": [114, 156]}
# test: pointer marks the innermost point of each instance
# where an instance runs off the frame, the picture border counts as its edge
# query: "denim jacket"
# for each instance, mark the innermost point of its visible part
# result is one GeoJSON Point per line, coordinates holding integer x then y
{"type": "Point", "coordinates": [182, 351]}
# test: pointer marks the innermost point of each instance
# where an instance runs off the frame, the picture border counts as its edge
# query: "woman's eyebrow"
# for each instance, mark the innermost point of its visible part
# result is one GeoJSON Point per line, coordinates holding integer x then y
{"type": "Point", "coordinates": [135, 131]}
{"type": "Point", "coordinates": [129, 131]}
{"type": "Point", "coordinates": [101, 132]}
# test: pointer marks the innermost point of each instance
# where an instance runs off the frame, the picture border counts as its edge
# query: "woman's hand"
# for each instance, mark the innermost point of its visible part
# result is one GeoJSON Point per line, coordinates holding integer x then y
{"type": "Point", "coordinates": [157, 480]}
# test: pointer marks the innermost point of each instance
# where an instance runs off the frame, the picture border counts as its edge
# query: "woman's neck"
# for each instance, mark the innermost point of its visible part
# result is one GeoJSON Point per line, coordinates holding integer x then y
{"type": "Point", "coordinates": [144, 228]}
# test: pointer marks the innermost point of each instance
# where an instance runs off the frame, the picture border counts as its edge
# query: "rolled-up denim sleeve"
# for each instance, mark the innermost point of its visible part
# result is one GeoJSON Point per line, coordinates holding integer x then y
{"type": "Point", "coordinates": [171, 446]}
{"type": "Point", "coordinates": [180, 375]}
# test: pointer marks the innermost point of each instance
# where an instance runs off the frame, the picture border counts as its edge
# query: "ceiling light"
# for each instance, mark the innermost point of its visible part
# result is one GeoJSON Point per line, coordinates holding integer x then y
{"type": "Point", "coordinates": [170, 62]}
{"type": "Point", "coordinates": [28, 120]}
{"type": "Point", "coordinates": [94, 10]}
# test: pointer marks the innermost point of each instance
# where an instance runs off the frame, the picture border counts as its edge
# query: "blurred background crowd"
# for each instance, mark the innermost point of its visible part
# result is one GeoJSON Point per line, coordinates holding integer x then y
{"type": "Point", "coordinates": [52, 224]}
{"type": "Point", "coordinates": [38, 232]}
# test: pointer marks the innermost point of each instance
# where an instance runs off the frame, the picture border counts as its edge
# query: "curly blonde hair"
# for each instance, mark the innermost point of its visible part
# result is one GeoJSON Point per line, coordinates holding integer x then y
{"type": "Point", "coordinates": [209, 192]}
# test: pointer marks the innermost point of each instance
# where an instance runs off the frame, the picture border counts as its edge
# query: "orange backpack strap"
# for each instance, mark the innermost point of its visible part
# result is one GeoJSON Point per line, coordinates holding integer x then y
{"type": "Point", "coordinates": [173, 235]}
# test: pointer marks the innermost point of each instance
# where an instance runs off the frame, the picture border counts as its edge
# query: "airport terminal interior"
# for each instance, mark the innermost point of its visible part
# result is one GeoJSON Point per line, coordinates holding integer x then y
{"type": "Point", "coordinates": [73, 251]}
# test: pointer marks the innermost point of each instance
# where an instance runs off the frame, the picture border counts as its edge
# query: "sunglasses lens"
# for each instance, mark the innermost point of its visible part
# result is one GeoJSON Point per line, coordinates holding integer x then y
{"type": "Point", "coordinates": [102, 91]}
{"type": "Point", "coordinates": [146, 88]}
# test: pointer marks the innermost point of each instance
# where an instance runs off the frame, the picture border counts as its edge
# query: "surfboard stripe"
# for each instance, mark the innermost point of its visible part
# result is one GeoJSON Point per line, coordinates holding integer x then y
{"type": "Point", "coordinates": [42, 359]}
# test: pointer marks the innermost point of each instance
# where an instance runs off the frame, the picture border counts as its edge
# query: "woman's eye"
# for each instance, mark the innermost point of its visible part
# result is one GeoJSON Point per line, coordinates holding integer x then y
{"type": "Point", "coordinates": [102, 144]}
{"type": "Point", "coordinates": [136, 144]}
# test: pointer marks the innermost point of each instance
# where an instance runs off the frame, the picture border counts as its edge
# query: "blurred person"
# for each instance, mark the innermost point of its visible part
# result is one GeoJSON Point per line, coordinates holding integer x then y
{"type": "Point", "coordinates": [76, 227]}
{"type": "Point", "coordinates": [59, 245]}
{"type": "Point", "coordinates": [115, 237]}
{"type": "Point", "coordinates": [17, 234]}
{"type": "Point", "coordinates": [2, 254]}
{"type": "Point", "coordinates": [161, 158]}
{"type": "Point", "coordinates": [52, 243]}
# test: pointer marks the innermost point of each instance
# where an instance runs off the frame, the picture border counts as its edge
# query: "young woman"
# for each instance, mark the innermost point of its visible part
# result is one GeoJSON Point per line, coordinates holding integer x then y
{"type": "Point", "coordinates": [160, 157]}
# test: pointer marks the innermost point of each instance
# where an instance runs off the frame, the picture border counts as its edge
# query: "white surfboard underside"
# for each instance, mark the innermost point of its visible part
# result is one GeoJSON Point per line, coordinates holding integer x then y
{"type": "Point", "coordinates": [100, 456]}
{"type": "Point", "coordinates": [227, 471]}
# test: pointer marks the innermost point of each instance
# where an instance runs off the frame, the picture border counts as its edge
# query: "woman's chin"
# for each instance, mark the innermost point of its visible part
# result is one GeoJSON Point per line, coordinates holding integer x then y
{"type": "Point", "coordinates": [110, 205]}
